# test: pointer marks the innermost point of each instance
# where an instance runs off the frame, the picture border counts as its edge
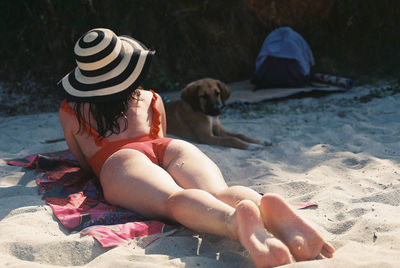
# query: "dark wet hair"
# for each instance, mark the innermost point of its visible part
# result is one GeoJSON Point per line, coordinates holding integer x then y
{"type": "Point", "coordinates": [106, 115]}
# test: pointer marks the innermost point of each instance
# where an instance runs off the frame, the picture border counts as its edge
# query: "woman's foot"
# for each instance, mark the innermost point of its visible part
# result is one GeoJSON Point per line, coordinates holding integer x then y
{"type": "Point", "coordinates": [264, 250]}
{"type": "Point", "coordinates": [304, 242]}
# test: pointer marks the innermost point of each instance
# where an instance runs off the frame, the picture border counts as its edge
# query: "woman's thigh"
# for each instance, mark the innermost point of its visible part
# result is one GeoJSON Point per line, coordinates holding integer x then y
{"type": "Point", "coordinates": [191, 168]}
{"type": "Point", "coordinates": [129, 179]}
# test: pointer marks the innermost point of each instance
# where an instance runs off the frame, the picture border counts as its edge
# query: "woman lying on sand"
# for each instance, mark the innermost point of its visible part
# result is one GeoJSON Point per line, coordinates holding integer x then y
{"type": "Point", "coordinates": [115, 128]}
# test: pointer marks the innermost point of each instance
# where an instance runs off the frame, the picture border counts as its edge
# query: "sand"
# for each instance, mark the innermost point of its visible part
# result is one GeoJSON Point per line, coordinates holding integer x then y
{"type": "Point", "coordinates": [340, 151]}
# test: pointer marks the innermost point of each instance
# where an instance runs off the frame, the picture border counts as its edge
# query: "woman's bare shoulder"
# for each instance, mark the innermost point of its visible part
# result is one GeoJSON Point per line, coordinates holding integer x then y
{"type": "Point", "coordinates": [145, 94]}
{"type": "Point", "coordinates": [145, 98]}
{"type": "Point", "coordinates": [66, 116]}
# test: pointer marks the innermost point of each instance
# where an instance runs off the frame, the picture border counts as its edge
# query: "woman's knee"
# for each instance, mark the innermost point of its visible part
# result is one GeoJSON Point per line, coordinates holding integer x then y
{"type": "Point", "coordinates": [237, 193]}
{"type": "Point", "coordinates": [175, 199]}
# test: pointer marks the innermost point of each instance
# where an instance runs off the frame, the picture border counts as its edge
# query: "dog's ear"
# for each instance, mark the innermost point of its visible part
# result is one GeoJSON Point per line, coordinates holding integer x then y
{"type": "Point", "coordinates": [190, 94]}
{"type": "Point", "coordinates": [225, 91]}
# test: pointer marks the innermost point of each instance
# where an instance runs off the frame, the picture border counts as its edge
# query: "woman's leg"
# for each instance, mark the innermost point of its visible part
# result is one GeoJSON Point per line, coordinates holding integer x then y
{"type": "Point", "coordinates": [192, 169]}
{"type": "Point", "coordinates": [200, 211]}
{"type": "Point", "coordinates": [131, 180]}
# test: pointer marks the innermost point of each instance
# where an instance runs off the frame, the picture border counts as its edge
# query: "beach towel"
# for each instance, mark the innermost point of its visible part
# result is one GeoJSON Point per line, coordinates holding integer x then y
{"type": "Point", "coordinates": [79, 205]}
{"type": "Point", "coordinates": [242, 92]}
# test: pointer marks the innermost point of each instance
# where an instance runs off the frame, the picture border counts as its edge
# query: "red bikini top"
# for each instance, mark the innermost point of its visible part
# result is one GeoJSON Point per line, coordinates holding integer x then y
{"type": "Point", "coordinates": [101, 141]}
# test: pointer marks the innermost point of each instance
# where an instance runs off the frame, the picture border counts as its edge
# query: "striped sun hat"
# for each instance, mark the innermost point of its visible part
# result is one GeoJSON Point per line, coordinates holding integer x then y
{"type": "Point", "coordinates": [109, 67]}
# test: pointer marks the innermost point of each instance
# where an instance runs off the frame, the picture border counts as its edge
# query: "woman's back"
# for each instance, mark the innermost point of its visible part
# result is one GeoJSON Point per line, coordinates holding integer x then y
{"type": "Point", "coordinates": [140, 116]}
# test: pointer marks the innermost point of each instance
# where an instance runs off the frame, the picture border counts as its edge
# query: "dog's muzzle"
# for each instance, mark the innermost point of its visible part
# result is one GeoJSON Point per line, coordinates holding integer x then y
{"type": "Point", "coordinates": [214, 110]}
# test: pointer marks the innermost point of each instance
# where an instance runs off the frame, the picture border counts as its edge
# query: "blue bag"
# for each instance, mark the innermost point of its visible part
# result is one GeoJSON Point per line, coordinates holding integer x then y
{"type": "Point", "coordinates": [285, 60]}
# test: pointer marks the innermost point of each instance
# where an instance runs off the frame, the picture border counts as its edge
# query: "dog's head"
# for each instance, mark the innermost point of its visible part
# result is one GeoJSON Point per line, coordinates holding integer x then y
{"type": "Point", "coordinates": [206, 95]}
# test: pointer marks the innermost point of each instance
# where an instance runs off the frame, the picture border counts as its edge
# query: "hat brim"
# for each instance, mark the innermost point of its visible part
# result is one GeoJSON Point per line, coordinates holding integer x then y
{"type": "Point", "coordinates": [122, 80]}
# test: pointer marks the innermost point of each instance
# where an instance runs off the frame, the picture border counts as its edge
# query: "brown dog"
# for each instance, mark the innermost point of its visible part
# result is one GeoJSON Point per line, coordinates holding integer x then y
{"type": "Point", "coordinates": [195, 116]}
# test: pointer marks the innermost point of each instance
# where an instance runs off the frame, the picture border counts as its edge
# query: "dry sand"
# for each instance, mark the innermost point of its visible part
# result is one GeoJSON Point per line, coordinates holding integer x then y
{"type": "Point", "coordinates": [338, 151]}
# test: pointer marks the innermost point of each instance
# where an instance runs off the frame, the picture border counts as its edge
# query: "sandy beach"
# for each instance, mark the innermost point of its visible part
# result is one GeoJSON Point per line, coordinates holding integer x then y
{"type": "Point", "coordinates": [341, 151]}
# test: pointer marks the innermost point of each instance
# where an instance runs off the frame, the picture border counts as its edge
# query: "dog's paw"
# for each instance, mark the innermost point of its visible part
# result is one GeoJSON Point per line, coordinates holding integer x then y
{"type": "Point", "coordinates": [266, 143]}
{"type": "Point", "coordinates": [255, 147]}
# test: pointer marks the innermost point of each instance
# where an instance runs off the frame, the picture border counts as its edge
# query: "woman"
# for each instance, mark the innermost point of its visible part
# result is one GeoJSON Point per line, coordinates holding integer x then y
{"type": "Point", "coordinates": [117, 130]}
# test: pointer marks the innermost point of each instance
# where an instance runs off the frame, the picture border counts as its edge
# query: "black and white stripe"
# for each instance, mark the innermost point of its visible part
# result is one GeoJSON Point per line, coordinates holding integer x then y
{"type": "Point", "coordinates": [108, 66]}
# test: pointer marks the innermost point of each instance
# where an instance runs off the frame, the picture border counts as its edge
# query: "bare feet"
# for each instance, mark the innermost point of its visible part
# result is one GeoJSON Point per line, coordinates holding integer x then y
{"type": "Point", "coordinates": [265, 250]}
{"type": "Point", "coordinates": [304, 242]}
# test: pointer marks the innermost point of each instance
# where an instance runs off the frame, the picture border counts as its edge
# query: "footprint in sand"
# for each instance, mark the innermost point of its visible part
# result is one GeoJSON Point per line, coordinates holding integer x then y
{"type": "Point", "coordinates": [354, 213]}
{"type": "Point", "coordinates": [354, 163]}
{"type": "Point", "coordinates": [342, 227]}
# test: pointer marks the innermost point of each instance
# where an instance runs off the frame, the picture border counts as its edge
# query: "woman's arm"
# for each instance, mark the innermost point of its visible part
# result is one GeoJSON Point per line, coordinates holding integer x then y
{"type": "Point", "coordinates": [67, 122]}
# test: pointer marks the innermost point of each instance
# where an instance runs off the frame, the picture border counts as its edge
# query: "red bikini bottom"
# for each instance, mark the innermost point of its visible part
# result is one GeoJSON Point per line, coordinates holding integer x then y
{"type": "Point", "coordinates": [153, 148]}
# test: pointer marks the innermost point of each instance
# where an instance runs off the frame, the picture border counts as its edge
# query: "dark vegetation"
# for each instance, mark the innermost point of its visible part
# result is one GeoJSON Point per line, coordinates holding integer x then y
{"type": "Point", "coordinates": [193, 39]}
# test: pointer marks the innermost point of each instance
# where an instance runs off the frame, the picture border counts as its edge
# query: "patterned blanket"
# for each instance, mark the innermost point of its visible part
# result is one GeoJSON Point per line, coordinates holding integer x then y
{"type": "Point", "coordinates": [79, 205]}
